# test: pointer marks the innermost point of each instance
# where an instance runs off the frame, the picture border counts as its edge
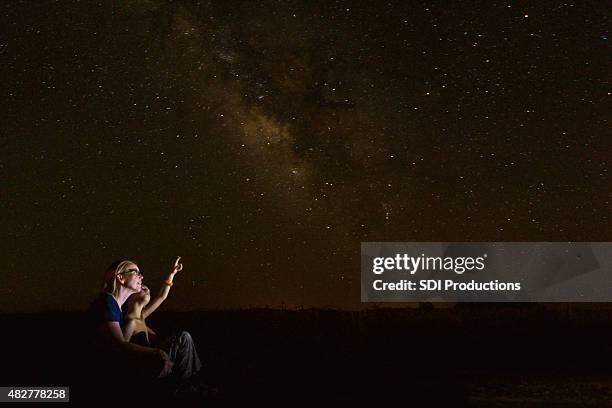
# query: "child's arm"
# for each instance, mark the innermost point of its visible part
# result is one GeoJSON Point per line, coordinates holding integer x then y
{"type": "Point", "coordinates": [163, 291]}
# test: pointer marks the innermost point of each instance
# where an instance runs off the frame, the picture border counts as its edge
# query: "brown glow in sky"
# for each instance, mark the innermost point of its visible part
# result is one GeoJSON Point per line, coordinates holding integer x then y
{"type": "Point", "coordinates": [263, 141]}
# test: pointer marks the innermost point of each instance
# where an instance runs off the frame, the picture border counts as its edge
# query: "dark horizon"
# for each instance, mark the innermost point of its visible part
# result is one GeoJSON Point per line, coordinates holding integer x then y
{"type": "Point", "coordinates": [467, 357]}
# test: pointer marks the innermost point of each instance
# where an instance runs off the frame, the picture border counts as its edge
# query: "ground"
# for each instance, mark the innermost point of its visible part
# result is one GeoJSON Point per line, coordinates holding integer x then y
{"type": "Point", "coordinates": [472, 356]}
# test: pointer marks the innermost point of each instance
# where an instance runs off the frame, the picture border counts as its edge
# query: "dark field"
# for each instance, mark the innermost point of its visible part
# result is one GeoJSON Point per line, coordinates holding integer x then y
{"type": "Point", "coordinates": [482, 355]}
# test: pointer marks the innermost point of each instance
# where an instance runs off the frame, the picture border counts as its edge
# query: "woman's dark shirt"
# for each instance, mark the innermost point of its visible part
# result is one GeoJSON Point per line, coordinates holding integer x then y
{"type": "Point", "coordinates": [103, 309]}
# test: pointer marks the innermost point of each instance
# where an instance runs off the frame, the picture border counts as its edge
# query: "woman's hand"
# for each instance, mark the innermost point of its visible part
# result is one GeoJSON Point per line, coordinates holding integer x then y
{"type": "Point", "coordinates": [177, 266]}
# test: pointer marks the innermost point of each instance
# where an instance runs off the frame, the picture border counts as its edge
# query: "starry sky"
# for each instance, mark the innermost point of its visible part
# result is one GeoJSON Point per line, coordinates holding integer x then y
{"type": "Point", "coordinates": [263, 141]}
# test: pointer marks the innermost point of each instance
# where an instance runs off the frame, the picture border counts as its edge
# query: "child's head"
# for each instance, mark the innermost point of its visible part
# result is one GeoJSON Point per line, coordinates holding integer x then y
{"type": "Point", "coordinates": [141, 298]}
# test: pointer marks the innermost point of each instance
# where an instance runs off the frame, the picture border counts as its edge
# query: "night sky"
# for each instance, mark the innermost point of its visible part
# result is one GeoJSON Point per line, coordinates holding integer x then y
{"type": "Point", "coordinates": [263, 141]}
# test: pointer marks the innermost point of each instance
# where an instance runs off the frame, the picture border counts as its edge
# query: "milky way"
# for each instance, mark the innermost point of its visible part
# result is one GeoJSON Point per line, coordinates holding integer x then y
{"type": "Point", "coordinates": [263, 141]}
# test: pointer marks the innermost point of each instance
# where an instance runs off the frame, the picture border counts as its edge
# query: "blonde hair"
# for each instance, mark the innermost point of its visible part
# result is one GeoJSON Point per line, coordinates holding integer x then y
{"type": "Point", "coordinates": [110, 276]}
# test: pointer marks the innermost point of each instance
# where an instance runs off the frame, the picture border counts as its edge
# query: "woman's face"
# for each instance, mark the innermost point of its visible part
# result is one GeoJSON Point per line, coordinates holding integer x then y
{"type": "Point", "coordinates": [132, 278]}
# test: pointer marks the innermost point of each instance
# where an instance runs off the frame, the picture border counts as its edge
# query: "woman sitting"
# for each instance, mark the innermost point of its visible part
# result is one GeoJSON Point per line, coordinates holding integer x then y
{"type": "Point", "coordinates": [122, 279]}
